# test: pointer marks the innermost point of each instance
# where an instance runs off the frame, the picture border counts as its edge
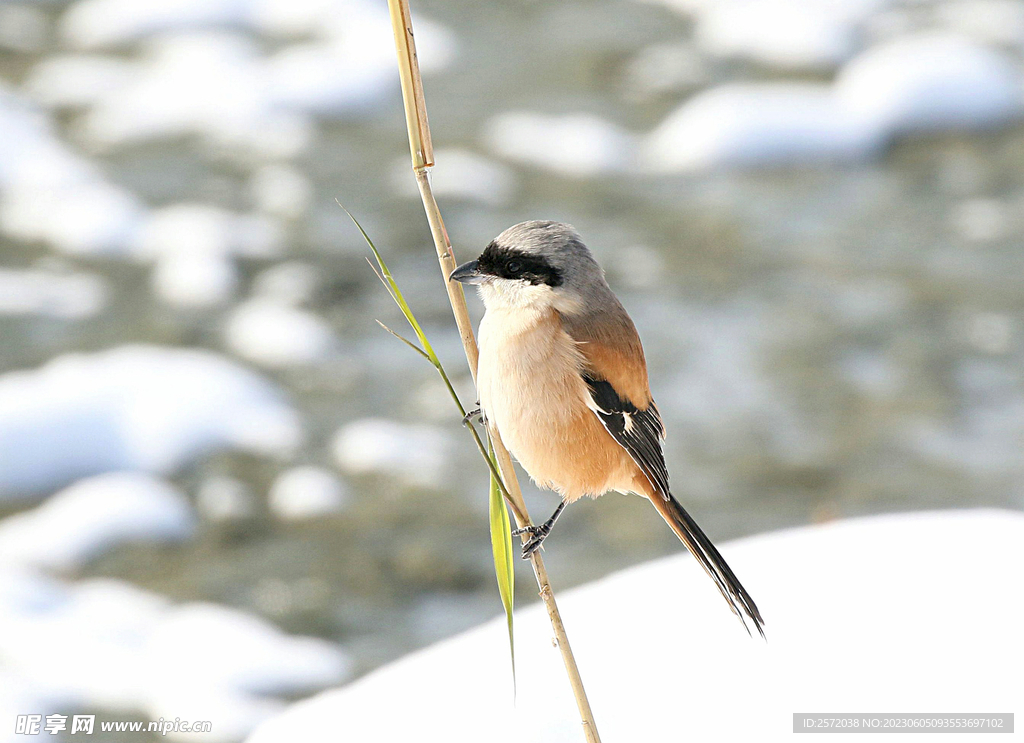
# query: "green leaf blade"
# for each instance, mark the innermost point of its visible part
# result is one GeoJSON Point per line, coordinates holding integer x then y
{"type": "Point", "coordinates": [500, 526]}
{"type": "Point", "coordinates": [501, 547]}
{"type": "Point", "coordinates": [396, 293]}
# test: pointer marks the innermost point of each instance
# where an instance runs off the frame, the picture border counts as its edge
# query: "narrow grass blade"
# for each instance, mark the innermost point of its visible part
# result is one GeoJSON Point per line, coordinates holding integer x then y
{"type": "Point", "coordinates": [501, 528]}
{"type": "Point", "coordinates": [396, 293]}
{"type": "Point", "coordinates": [405, 340]}
{"type": "Point", "coordinates": [501, 547]}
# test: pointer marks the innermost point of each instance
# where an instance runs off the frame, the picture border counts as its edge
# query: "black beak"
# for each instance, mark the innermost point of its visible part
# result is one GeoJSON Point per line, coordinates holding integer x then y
{"type": "Point", "coordinates": [467, 273]}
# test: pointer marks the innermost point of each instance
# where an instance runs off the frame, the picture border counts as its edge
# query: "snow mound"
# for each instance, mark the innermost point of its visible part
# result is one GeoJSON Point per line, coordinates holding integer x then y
{"type": "Point", "coordinates": [921, 83]}
{"type": "Point", "coordinates": [93, 516]}
{"type": "Point", "coordinates": [759, 124]}
{"type": "Point", "coordinates": [208, 85]}
{"type": "Point", "coordinates": [95, 24]}
{"type": "Point", "coordinates": [277, 335]}
{"type": "Point", "coordinates": [576, 145]}
{"type": "Point", "coordinates": [193, 246]}
{"type": "Point", "coordinates": [904, 612]}
{"type": "Point", "coordinates": [306, 492]}
{"type": "Point", "coordinates": [142, 408]}
{"type": "Point", "coordinates": [103, 643]}
{"type": "Point", "coordinates": [51, 195]}
{"type": "Point", "coordinates": [786, 33]}
{"type": "Point", "coordinates": [195, 279]}
{"type": "Point", "coordinates": [461, 174]}
{"type": "Point", "coordinates": [204, 228]}
{"type": "Point", "coordinates": [71, 81]}
{"type": "Point", "coordinates": [929, 83]}
{"type": "Point", "coordinates": [70, 296]}
{"type": "Point", "coordinates": [200, 72]}
{"type": "Point", "coordinates": [416, 453]}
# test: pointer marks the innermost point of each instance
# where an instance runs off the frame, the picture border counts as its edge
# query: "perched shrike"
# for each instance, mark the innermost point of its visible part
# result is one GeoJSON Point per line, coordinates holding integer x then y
{"type": "Point", "coordinates": [562, 377]}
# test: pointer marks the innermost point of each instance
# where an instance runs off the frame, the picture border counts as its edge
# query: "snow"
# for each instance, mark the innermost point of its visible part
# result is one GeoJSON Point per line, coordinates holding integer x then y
{"type": "Point", "coordinates": [415, 453]}
{"type": "Point", "coordinates": [281, 191]}
{"type": "Point", "coordinates": [195, 279]}
{"type": "Point", "coordinates": [93, 516]}
{"type": "Point", "coordinates": [51, 195]}
{"type": "Point", "coordinates": [351, 69]}
{"type": "Point", "coordinates": [307, 492]}
{"type": "Point", "coordinates": [206, 84]}
{"type": "Point", "coordinates": [223, 498]}
{"type": "Point", "coordinates": [17, 696]}
{"type": "Point", "coordinates": [666, 68]}
{"type": "Point", "coordinates": [931, 82]}
{"type": "Point", "coordinates": [920, 83]}
{"type": "Point", "coordinates": [200, 73]}
{"type": "Point", "coordinates": [897, 612]}
{"type": "Point", "coordinates": [91, 217]}
{"type": "Point", "coordinates": [991, 21]}
{"type": "Point", "coordinates": [576, 145]}
{"type": "Point", "coordinates": [103, 24]}
{"type": "Point", "coordinates": [95, 24]}
{"type": "Point", "coordinates": [193, 245]}
{"type": "Point", "coordinates": [981, 220]}
{"type": "Point", "coordinates": [810, 35]}
{"type": "Point", "coordinates": [277, 335]}
{"type": "Point", "coordinates": [103, 643]}
{"type": "Point", "coordinates": [294, 18]}
{"type": "Point", "coordinates": [70, 296]}
{"type": "Point", "coordinates": [926, 82]}
{"type": "Point", "coordinates": [242, 651]}
{"type": "Point", "coordinates": [757, 125]}
{"type": "Point", "coordinates": [292, 282]}
{"type": "Point", "coordinates": [143, 408]}
{"type": "Point", "coordinates": [71, 81]}
{"type": "Point", "coordinates": [461, 174]}
{"type": "Point", "coordinates": [204, 228]}
{"type": "Point", "coordinates": [786, 33]}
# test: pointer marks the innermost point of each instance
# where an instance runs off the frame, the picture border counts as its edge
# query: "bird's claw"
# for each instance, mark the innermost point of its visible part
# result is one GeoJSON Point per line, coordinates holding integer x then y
{"type": "Point", "coordinates": [537, 533]}
{"type": "Point", "coordinates": [467, 419]}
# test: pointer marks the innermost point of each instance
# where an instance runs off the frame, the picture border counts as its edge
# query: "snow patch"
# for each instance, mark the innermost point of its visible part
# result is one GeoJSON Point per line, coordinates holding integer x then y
{"type": "Point", "coordinates": [307, 492]}
{"type": "Point", "coordinates": [277, 335]}
{"type": "Point", "coordinates": [70, 296]}
{"type": "Point", "coordinates": [416, 453]}
{"type": "Point", "coordinates": [103, 643]}
{"type": "Point", "coordinates": [93, 516]}
{"type": "Point", "coordinates": [756, 125]}
{"type": "Point", "coordinates": [576, 145]}
{"type": "Point", "coordinates": [922, 83]}
{"type": "Point", "coordinates": [834, 611]}
{"type": "Point", "coordinates": [133, 408]}
{"type": "Point", "coordinates": [461, 174]}
{"type": "Point", "coordinates": [930, 83]}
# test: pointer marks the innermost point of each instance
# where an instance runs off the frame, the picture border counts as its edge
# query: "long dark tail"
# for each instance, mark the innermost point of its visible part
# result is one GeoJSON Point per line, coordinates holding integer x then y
{"type": "Point", "coordinates": [710, 559]}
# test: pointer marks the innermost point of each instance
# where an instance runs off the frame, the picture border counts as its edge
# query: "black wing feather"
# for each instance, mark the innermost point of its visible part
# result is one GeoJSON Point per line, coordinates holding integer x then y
{"type": "Point", "coordinates": [639, 432]}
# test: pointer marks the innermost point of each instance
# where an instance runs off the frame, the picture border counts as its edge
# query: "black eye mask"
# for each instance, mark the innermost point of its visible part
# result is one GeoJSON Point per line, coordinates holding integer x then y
{"type": "Point", "coordinates": [509, 263]}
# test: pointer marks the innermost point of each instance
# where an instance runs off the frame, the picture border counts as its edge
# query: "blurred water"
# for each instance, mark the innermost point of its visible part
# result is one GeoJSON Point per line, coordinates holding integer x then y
{"type": "Point", "coordinates": [823, 342]}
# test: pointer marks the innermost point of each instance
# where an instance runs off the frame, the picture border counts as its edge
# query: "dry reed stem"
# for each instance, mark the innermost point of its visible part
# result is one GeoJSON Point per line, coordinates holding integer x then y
{"type": "Point", "coordinates": [422, 159]}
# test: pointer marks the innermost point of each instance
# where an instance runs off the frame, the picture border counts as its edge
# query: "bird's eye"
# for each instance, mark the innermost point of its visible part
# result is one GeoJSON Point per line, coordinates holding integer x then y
{"type": "Point", "coordinates": [513, 267]}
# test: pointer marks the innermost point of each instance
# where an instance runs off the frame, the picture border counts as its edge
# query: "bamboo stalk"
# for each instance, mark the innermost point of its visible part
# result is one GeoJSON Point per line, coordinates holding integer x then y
{"type": "Point", "coordinates": [422, 159]}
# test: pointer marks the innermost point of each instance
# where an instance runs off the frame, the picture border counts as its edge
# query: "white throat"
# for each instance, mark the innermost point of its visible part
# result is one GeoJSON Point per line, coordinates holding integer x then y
{"type": "Point", "coordinates": [506, 294]}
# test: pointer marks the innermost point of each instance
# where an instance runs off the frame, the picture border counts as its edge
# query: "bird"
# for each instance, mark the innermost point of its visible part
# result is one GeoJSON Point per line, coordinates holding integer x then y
{"type": "Point", "coordinates": [563, 378]}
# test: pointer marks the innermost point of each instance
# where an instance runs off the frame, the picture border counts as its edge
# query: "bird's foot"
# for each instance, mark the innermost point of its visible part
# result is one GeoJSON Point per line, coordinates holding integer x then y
{"type": "Point", "coordinates": [476, 413]}
{"type": "Point", "coordinates": [537, 536]}
{"type": "Point", "coordinates": [537, 533]}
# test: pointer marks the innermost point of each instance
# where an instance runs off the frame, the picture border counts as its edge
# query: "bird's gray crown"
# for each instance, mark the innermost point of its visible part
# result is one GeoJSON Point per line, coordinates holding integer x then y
{"type": "Point", "coordinates": [552, 251]}
{"type": "Point", "coordinates": [542, 237]}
